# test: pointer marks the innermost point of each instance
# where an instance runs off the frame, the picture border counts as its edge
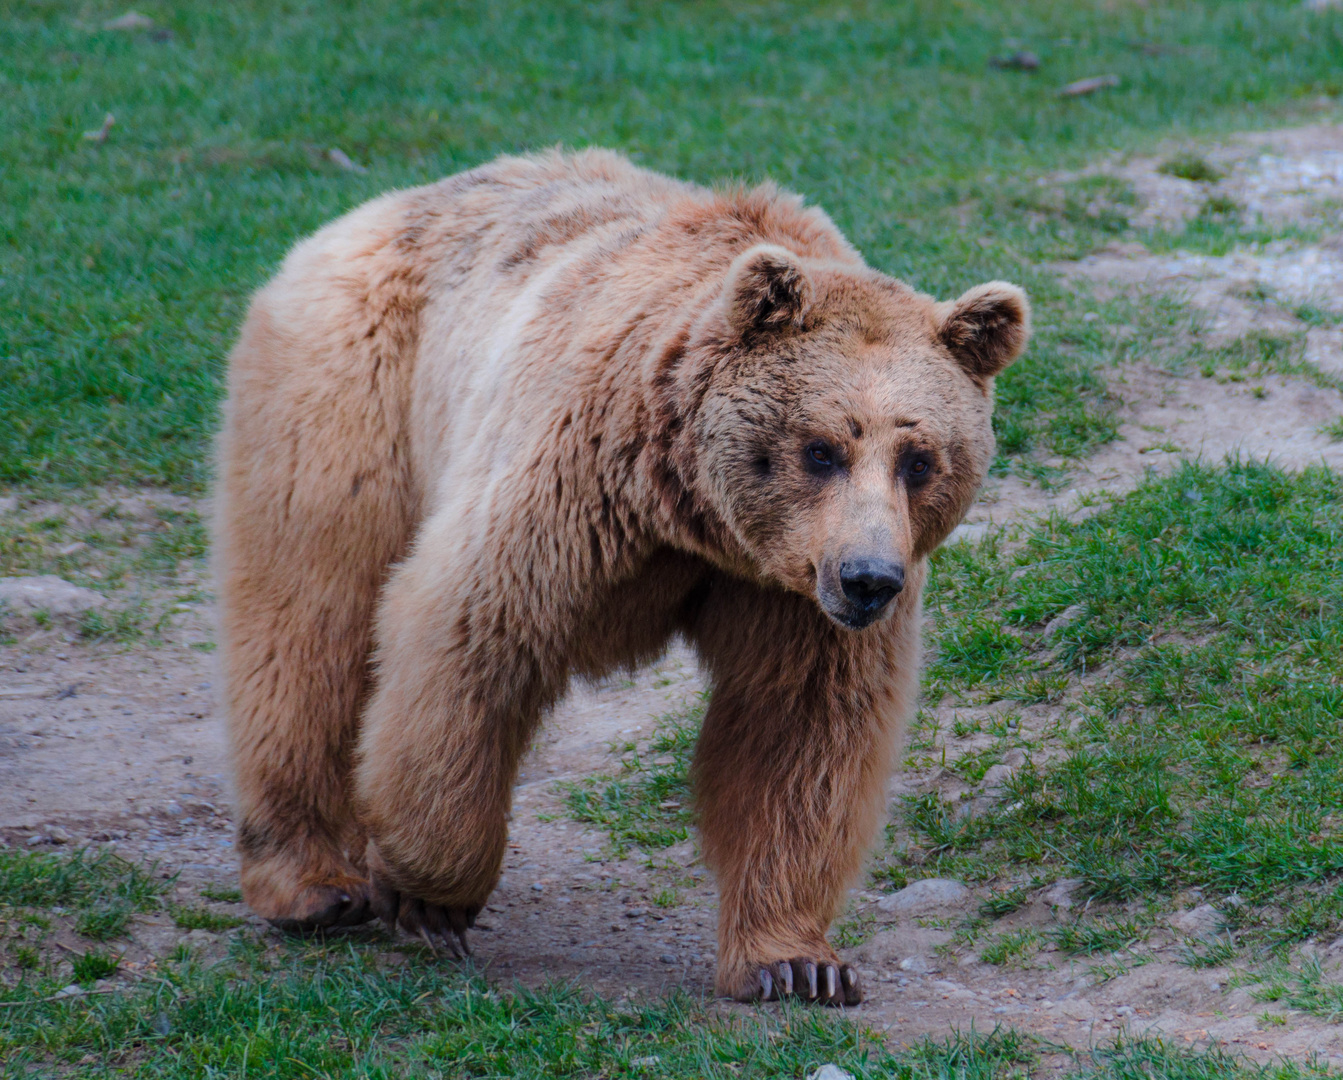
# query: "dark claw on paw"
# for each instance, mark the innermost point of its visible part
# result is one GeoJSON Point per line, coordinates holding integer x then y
{"type": "Point", "coordinates": [853, 993]}
{"type": "Point", "coordinates": [828, 984]}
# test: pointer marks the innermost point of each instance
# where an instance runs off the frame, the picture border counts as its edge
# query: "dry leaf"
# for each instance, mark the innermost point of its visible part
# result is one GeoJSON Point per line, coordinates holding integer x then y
{"type": "Point", "coordinates": [132, 20]}
{"type": "Point", "coordinates": [341, 158]}
{"type": "Point", "coordinates": [101, 134]}
{"type": "Point", "coordinates": [1089, 86]}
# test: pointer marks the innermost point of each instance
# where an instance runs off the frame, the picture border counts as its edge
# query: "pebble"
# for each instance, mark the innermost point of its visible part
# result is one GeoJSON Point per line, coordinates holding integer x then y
{"type": "Point", "coordinates": [1060, 894]}
{"type": "Point", "coordinates": [1202, 921]}
{"type": "Point", "coordinates": [667, 958]}
{"type": "Point", "coordinates": [926, 895]}
{"type": "Point", "coordinates": [538, 887]}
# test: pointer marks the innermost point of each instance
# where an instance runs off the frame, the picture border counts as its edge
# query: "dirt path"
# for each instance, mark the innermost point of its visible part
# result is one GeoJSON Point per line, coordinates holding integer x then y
{"type": "Point", "coordinates": [122, 746]}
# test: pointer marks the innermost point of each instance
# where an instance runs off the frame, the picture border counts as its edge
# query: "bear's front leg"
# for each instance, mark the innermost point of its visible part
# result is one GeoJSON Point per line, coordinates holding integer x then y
{"type": "Point", "coordinates": [790, 775]}
{"type": "Point", "coordinates": [462, 678]}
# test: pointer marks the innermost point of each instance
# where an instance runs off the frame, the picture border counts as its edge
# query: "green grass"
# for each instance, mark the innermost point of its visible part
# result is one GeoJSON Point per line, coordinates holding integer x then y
{"type": "Point", "coordinates": [202, 918]}
{"type": "Point", "coordinates": [125, 264]}
{"type": "Point", "coordinates": [83, 880]}
{"type": "Point", "coordinates": [222, 895]}
{"type": "Point", "coordinates": [1089, 936]}
{"type": "Point", "coordinates": [1009, 947]}
{"type": "Point", "coordinates": [647, 804]}
{"type": "Point", "coordinates": [339, 1009]}
{"type": "Point", "coordinates": [91, 966]}
{"type": "Point", "coordinates": [1190, 166]}
{"type": "Point", "coordinates": [1304, 988]}
{"type": "Point", "coordinates": [1208, 743]}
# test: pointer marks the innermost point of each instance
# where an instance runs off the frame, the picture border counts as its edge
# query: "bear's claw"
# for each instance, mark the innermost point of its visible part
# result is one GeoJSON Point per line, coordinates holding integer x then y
{"type": "Point", "coordinates": [829, 984]}
{"type": "Point", "coordinates": [431, 923]}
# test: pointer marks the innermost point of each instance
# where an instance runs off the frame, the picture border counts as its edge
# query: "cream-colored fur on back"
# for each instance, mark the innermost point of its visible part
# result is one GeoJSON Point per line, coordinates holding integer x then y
{"type": "Point", "coordinates": [531, 422]}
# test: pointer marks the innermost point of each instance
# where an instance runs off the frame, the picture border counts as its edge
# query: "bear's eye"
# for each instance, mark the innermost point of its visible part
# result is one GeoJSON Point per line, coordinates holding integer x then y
{"type": "Point", "coordinates": [918, 470]}
{"type": "Point", "coordinates": [820, 455]}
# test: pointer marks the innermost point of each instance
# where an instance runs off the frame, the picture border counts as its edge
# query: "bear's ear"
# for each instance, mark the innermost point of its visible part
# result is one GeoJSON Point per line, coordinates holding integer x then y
{"type": "Point", "coordinates": [986, 328]}
{"type": "Point", "coordinates": [767, 291]}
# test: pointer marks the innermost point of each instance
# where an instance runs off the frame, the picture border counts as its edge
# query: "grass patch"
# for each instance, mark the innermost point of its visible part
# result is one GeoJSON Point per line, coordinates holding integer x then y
{"type": "Point", "coordinates": [647, 803]}
{"type": "Point", "coordinates": [1304, 988]}
{"type": "Point", "coordinates": [1090, 936]}
{"type": "Point", "coordinates": [82, 880]}
{"type": "Point", "coordinates": [202, 918]}
{"type": "Point", "coordinates": [94, 965]}
{"type": "Point", "coordinates": [337, 1010]}
{"type": "Point", "coordinates": [1011, 947]}
{"type": "Point", "coordinates": [1206, 745]}
{"type": "Point", "coordinates": [127, 262]}
{"type": "Point", "coordinates": [102, 922]}
{"type": "Point", "coordinates": [222, 895]}
{"type": "Point", "coordinates": [1191, 166]}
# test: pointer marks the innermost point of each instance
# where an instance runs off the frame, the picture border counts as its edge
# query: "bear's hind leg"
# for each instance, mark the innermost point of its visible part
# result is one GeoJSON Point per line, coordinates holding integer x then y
{"type": "Point", "coordinates": [311, 509]}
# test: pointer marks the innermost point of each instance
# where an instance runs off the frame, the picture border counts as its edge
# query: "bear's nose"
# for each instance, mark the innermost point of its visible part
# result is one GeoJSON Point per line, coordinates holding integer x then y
{"type": "Point", "coordinates": [871, 584]}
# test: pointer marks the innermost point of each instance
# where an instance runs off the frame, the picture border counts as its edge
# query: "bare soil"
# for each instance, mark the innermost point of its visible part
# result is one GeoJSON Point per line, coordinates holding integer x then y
{"type": "Point", "coordinates": [122, 745]}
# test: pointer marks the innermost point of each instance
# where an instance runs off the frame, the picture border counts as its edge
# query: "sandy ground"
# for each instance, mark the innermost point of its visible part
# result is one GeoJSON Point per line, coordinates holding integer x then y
{"type": "Point", "coordinates": [123, 746]}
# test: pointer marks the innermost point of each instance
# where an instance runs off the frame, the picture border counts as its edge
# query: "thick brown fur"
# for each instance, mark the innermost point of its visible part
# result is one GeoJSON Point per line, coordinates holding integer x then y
{"type": "Point", "coordinates": [529, 423]}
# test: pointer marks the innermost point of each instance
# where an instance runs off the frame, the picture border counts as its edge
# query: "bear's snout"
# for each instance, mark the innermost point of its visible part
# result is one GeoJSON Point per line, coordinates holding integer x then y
{"type": "Point", "coordinates": [867, 585]}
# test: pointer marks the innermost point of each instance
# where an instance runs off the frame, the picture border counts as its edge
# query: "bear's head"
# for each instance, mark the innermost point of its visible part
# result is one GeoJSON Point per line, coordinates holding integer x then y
{"type": "Point", "coordinates": [844, 420]}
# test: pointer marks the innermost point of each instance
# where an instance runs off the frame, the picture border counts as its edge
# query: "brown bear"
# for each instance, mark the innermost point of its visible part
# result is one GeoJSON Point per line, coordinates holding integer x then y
{"type": "Point", "coordinates": [530, 423]}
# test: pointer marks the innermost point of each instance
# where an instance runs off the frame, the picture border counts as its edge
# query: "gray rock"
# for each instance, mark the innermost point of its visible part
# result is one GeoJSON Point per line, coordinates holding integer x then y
{"type": "Point", "coordinates": [830, 1072]}
{"type": "Point", "coordinates": [1060, 894]}
{"type": "Point", "coordinates": [1202, 921]}
{"type": "Point", "coordinates": [46, 592]}
{"type": "Point", "coordinates": [927, 895]}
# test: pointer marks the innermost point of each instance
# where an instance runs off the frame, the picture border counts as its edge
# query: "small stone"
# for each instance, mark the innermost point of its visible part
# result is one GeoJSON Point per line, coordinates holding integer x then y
{"type": "Point", "coordinates": [69, 991]}
{"type": "Point", "coordinates": [830, 1072]}
{"type": "Point", "coordinates": [918, 965]}
{"type": "Point", "coordinates": [57, 835]}
{"type": "Point", "coordinates": [35, 839]}
{"type": "Point", "coordinates": [645, 1062]}
{"type": "Point", "coordinates": [1202, 921]}
{"type": "Point", "coordinates": [667, 958]}
{"type": "Point", "coordinates": [926, 895]}
{"type": "Point", "coordinates": [538, 887]}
